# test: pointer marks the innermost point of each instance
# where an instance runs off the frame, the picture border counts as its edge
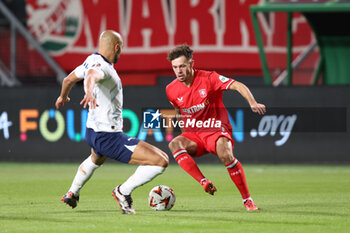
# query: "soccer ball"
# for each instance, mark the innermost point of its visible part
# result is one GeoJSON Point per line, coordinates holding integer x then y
{"type": "Point", "coordinates": [161, 197]}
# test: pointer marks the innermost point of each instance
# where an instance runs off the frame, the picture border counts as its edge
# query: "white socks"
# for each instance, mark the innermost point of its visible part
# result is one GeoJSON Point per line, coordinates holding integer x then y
{"type": "Point", "coordinates": [85, 171]}
{"type": "Point", "coordinates": [142, 175]}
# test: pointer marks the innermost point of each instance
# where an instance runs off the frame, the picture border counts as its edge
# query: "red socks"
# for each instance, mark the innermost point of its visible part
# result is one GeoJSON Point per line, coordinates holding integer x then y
{"type": "Point", "coordinates": [234, 169]}
{"type": "Point", "coordinates": [237, 175]}
{"type": "Point", "coordinates": [188, 164]}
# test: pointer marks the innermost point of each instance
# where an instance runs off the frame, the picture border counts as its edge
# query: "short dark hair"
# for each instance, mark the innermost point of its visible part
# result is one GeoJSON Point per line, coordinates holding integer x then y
{"type": "Point", "coordinates": [180, 50]}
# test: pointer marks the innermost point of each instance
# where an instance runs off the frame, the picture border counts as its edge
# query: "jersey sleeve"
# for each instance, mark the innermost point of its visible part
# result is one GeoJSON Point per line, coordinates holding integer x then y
{"type": "Point", "coordinates": [89, 63]}
{"type": "Point", "coordinates": [80, 71]}
{"type": "Point", "coordinates": [219, 82]}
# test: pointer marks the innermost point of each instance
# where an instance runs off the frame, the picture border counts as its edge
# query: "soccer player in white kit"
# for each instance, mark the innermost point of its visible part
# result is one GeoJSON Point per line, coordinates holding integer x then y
{"type": "Point", "coordinates": [104, 97]}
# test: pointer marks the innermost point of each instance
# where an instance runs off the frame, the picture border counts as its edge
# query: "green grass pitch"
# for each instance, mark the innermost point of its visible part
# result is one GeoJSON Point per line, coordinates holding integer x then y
{"type": "Point", "coordinates": [291, 199]}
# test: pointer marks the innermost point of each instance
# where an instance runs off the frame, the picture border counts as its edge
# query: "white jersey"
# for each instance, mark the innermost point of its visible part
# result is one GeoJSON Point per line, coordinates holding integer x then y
{"type": "Point", "coordinates": [107, 116]}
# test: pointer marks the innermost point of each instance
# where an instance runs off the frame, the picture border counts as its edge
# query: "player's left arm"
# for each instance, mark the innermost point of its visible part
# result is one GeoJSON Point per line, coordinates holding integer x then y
{"type": "Point", "coordinates": [92, 77]}
{"type": "Point", "coordinates": [245, 92]}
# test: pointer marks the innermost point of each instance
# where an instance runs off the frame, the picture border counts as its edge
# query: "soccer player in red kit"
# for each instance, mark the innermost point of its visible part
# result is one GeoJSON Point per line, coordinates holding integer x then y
{"type": "Point", "coordinates": [197, 98]}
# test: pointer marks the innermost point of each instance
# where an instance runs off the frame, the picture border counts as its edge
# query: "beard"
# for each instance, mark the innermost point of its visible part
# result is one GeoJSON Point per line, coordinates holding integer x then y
{"type": "Point", "coordinates": [116, 58]}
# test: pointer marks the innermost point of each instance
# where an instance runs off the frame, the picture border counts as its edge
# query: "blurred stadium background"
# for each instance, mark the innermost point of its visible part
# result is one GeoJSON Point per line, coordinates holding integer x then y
{"type": "Point", "coordinates": [294, 55]}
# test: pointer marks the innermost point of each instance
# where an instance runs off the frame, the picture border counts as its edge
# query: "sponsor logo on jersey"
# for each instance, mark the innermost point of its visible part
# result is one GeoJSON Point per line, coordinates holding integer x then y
{"type": "Point", "coordinates": [223, 79]}
{"type": "Point", "coordinates": [196, 108]}
{"type": "Point", "coordinates": [203, 93]}
{"type": "Point", "coordinates": [180, 99]}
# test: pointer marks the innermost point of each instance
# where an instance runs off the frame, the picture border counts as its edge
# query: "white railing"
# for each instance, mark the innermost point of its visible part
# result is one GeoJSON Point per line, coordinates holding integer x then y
{"type": "Point", "coordinates": [8, 75]}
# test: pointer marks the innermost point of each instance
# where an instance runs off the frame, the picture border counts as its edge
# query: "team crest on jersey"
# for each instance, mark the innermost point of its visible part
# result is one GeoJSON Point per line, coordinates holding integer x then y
{"type": "Point", "coordinates": [55, 24]}
{"type": "Point", "coordinates": [203, 93]}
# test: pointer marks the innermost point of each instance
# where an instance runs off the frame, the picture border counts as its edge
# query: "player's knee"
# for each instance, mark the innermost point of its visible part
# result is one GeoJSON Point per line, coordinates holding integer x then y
{"type": "Point", "coordinates": [164, 161]}
{"type": "Point", "coordinates": [159, 158]}
{"type": "Point", "coordinates": [174, 145]}
{"type": "Point", "coordinates": [226, 158]}
{"type": "Point", "coordinates": [171, 145]}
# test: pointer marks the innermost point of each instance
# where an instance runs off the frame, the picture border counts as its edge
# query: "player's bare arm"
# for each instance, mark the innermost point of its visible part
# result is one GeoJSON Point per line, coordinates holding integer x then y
{"type": "Point", "coordinates": [67, 85]}
{"type": "Point", "coordinates": [245, 92]}
{"type": "Point", "coordinates": [92, 77]}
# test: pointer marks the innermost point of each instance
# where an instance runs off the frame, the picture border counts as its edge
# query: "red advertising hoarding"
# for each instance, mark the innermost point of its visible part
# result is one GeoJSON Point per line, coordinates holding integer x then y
{"type": "Point", "coordinates": [220, 32]}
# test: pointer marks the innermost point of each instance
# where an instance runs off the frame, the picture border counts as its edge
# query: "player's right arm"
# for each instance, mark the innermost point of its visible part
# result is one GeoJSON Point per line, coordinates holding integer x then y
{"type": "Point", "coordinates": [67, 85]}
{"type": "Point", "coordinates": [92, 77]}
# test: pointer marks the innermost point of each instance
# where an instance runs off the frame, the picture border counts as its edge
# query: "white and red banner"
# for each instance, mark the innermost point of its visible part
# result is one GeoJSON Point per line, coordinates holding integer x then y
{"type": "Point", "coordinates": [220, 31]}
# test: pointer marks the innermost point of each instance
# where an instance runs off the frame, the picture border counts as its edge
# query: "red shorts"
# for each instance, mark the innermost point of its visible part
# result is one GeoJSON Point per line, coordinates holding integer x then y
{"type": "Point", "coordinates": [206, 141]}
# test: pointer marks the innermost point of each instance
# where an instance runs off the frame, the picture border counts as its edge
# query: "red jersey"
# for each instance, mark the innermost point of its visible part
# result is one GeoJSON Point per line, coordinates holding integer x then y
{"type": "Point", "coordinates": [201, 103]}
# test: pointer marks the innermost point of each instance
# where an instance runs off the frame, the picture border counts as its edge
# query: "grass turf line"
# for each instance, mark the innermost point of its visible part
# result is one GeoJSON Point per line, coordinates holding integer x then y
{"type": "Point", "coordinates": [291, 199]}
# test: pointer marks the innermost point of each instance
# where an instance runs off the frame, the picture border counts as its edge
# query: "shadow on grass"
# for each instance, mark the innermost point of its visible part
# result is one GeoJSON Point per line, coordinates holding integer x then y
{"type": "Point", "coordinates": [302, 209]}
{"type": "Point", "coordinates": [232, 216]}
{"type": "Point", "coordinates": [32, 218]}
